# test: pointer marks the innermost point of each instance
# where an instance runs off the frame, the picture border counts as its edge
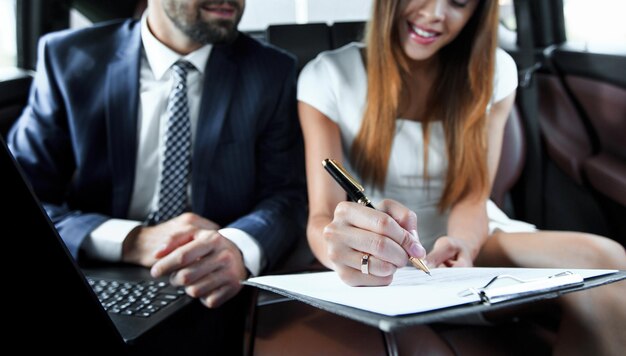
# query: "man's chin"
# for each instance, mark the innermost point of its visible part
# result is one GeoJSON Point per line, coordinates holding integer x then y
{"type": "Point", "coordinates": [214, 33]}
{"type": "Point", "coordinates": [225, 37]}
{"type": "Point", "coordinates": [223, 31]}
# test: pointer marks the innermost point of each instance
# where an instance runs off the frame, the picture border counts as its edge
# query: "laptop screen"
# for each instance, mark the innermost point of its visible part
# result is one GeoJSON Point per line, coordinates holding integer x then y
{"type": "Point", "coordinates": [50, 303]}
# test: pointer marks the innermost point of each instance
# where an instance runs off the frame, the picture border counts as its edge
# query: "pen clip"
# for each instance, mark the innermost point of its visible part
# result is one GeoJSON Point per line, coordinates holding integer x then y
{"type": "Point", "coordinates": [347, 182]}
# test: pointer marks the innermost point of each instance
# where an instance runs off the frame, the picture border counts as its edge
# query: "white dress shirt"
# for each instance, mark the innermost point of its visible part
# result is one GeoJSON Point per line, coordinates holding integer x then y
{"type": "Point", "coordinates": [156, 82]}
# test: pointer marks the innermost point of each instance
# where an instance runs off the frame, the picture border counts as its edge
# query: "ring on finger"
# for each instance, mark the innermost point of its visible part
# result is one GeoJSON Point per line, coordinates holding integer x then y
{"type": "Point", "coordinates": [365, 264]}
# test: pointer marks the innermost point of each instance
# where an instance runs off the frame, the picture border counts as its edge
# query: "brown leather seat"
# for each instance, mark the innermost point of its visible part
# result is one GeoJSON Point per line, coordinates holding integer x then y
{"type": "Point", "coordinates": [605, 106]}
{"type": "Point", "coordinates": [295, 328]}
{"type": "Point", "coordinates": [512, 159]}
{"type": "Point", "coordinates": [564, 133]}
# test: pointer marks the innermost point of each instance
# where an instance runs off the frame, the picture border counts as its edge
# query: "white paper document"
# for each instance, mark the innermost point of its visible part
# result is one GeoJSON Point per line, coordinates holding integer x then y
{"type": "Point", "coordinates": [413, 291]}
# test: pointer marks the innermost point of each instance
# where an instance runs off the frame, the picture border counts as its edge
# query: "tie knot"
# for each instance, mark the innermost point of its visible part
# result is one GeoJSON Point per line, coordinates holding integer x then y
{"type": "Point", "coordinates": [180, 70]}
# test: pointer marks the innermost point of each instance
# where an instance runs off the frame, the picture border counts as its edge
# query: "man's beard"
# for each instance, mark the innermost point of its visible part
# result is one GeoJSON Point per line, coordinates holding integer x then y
{"type": "Point", "coordinates": [203, 31]}
{"type": "Point", "coordinates": [216, 31]}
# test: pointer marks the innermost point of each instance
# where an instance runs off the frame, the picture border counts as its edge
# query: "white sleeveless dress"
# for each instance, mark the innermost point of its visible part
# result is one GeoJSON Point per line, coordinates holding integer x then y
{"type": "Point", "coordinates": [335, 83]}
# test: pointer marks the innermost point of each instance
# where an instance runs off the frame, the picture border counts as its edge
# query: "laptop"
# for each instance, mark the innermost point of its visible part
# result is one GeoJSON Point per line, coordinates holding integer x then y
{"type": "Point", "coordinates": [52, 300]}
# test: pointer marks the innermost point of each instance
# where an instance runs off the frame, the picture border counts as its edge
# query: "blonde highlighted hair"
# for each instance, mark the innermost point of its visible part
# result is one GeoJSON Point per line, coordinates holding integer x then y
{"type": "Point", "coordinates": [462, 91]}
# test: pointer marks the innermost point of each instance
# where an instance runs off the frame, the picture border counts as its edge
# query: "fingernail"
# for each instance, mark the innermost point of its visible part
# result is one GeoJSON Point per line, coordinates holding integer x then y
{"type": "Point", "coordinates": [417, 250]}
{"type": "Point", "coordinates": [416, 237]}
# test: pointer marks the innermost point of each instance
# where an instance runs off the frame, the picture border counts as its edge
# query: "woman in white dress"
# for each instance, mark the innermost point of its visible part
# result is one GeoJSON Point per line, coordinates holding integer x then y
{"type": "Point", "coordinates": [417, 115]}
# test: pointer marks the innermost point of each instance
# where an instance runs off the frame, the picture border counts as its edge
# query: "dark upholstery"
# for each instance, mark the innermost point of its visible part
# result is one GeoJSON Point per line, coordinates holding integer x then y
{"type": "Point", "coordinates": [605, 106]}
{"type": "Point", "coordinates": [342, 33]}
{"type": "Point", "coordinates": [564, 133]}
{"type": "Point", "coordinates": [304, 41]}
{"type": "Point", "coordinates": [512, 158]}
{"type": "Point", "coordinates": [607, 174]}
{"type": "Point", "coordinates": [140, 8]}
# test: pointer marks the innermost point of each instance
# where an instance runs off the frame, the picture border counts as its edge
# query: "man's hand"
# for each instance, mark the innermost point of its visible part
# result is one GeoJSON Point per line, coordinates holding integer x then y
{"type": "Point", "coordinates": [147, 244]}
{"type": "Point", "coordinates": [210, 267]}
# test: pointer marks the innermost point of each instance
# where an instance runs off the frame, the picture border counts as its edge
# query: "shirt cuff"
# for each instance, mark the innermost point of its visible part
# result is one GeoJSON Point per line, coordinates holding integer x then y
{"type": "Point", "coordinates": [105, 242]}
{"type": "Point", "coordinates": [250, 249]}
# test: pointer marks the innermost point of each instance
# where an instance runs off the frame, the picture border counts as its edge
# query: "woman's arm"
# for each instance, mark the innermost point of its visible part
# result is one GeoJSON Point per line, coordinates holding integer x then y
{"type": "Point", "coordinates": [341, 232]}
{"type": "Point", "coordinates": [321, 140]}
{"type": "Point", "coordinates": [468, 223]}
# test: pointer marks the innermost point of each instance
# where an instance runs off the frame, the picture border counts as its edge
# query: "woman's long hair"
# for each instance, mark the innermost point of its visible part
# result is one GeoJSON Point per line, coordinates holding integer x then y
{"type": "Point", "coordinates": [462, 90]}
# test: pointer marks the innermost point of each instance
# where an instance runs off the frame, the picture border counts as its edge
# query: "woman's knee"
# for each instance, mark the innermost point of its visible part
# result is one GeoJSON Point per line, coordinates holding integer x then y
{"type": "Point", "coordinates": [605, 253]}
{"type": "Point", "coordinates": [544, 249]}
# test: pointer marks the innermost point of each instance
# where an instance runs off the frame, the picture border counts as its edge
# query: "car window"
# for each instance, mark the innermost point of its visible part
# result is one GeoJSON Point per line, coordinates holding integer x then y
{"type": "Point", "coordinates": [8, 39]}
{"type": "Point", "coordinates": [507, 15]}
{"type": "Point", "coordinates": [261, 13]}
{"type": "Point", "coordinates": [596, 24]}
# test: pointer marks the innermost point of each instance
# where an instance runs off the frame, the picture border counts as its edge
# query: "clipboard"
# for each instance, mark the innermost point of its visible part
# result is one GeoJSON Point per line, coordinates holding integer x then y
{"type": "Point", "coordinates": [492, 293]}
{"type": "Point", "coordinates": [501, 290]}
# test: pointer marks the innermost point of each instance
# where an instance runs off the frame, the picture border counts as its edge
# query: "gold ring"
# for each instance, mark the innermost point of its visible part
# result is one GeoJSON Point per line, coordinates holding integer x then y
{"type": "Point", "coordinates": [365, 264]}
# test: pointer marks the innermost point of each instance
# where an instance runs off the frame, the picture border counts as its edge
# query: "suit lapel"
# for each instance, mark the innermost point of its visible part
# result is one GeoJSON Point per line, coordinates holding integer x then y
{"type": "Point", "coordinates": [122, 100]}
{"type": "Point", "coordinates": [219, 83]}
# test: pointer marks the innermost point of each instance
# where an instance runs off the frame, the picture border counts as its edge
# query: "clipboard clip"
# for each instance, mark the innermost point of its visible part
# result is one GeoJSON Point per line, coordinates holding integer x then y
{"type": "Point", "coordinates": [485, 295]}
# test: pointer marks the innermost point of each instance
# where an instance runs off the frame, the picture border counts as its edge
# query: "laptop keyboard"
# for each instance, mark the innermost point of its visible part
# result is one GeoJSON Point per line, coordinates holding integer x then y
{"type": "Point", "coordinates": [140, 299]}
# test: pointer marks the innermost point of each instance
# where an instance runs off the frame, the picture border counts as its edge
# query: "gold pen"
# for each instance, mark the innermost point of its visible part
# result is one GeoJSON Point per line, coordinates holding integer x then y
{"type": "Point", "coordinates": [355, 193]}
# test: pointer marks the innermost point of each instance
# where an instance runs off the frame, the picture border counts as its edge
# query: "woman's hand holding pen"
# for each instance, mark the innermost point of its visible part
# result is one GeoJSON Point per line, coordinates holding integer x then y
{"type": "Point", "coordinates": [383, 233]}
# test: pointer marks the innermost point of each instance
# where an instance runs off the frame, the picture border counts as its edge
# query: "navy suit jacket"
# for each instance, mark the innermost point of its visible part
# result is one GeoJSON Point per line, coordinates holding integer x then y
{"type": "Point", "coordinates": [77, 138]}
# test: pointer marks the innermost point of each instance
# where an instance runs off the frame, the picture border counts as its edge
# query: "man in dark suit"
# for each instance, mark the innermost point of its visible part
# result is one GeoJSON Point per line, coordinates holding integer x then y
{"type": "Point", "coordinates": [93, 136]}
